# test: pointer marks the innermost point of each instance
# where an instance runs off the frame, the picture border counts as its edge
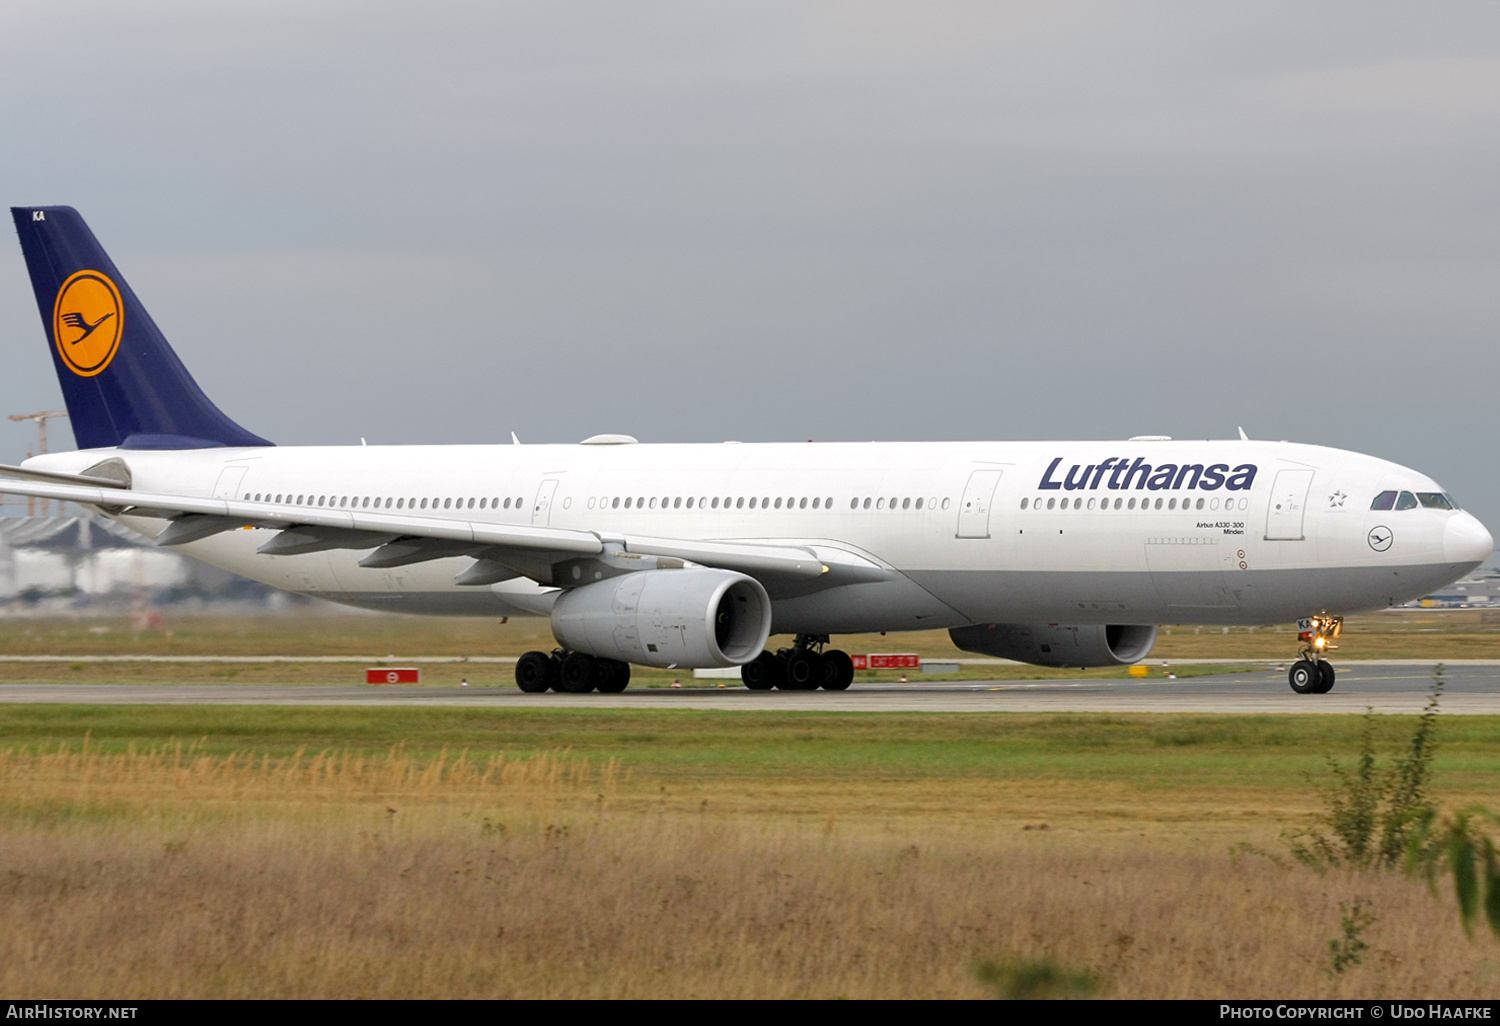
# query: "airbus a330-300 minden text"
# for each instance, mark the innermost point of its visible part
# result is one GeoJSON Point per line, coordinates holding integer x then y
{"type": "Point", "coordinates": [693, 555]}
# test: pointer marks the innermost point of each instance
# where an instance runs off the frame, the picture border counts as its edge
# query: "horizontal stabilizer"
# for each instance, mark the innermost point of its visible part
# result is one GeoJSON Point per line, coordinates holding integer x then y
{"type": "Point", "coordinates": [27, 474]}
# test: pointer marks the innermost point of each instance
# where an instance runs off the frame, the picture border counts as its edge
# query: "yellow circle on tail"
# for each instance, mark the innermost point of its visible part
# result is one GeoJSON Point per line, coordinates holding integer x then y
{"type": "Point", "coordinates": [87, 322]}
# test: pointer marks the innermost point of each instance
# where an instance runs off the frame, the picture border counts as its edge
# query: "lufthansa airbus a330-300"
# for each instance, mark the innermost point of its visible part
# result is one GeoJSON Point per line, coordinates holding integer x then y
{"type": "Point", "coordinates": [692, 555]}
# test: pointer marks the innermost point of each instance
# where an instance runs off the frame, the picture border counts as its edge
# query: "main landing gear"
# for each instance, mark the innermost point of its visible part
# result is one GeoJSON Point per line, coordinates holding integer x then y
{"type": "Point", "coordinates": [1313, 674]}
{"type": "Point", "coordinates": [573, 672]}
{"type": "Point", "coordinates": [806, 666]}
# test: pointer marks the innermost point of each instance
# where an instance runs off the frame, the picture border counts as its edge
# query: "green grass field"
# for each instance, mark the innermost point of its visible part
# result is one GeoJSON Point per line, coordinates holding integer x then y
{"type": "Point", "coordinates": [708, 749]}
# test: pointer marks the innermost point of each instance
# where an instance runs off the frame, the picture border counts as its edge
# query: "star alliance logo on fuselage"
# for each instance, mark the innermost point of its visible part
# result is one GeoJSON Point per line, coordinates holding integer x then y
{"type": "Point", "coordinates": [1123, 474]}
{"type": "Point", "coordinates": [88, 322]}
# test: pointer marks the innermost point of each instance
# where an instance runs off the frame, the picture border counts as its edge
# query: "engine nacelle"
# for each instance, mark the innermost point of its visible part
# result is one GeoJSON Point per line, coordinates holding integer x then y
{"type": "Point", "coordinates": [689, 618]}
{"type": "Point", "coordinates": [1051, 644]}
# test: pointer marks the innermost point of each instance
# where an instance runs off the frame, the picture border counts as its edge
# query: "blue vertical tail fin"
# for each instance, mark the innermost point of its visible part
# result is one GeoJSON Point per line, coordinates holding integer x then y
{"type": "Point", "coordinates": [123, 384]}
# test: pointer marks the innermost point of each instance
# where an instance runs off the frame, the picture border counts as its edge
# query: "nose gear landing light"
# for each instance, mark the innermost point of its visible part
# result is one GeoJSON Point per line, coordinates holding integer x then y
{"type": "Point", "coordinates": [1313, 674]}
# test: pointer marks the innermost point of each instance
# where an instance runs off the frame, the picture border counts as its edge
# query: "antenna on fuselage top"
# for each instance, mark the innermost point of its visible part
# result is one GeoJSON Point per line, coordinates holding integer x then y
{"type": "Point", "coordinates": [1244, 437]}
{"type": "Point", "coordinates": [513, 439]}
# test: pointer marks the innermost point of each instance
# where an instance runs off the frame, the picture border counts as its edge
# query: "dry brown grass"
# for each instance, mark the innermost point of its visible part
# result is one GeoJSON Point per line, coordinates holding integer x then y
{"type": "Point", "coordinates": [177, 772]}
{"type": "Point", "coordinates": [172, 873]}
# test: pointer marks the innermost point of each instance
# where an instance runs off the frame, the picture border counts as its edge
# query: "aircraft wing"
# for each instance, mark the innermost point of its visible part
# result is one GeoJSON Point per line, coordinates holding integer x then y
{"type": "Point", "coordinates": [501, 551]}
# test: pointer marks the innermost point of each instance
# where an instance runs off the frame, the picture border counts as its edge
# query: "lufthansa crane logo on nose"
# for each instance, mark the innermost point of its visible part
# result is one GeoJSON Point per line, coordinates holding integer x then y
{"type": "Point", "coordinates": [1380, 538]}
{"type": "Point", "coordinates": [88, 322]}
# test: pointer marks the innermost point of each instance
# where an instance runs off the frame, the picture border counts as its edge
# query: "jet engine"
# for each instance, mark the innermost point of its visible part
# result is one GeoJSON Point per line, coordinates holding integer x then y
{"type": "Point", "coordinates": [1051, 644]}
{"type": "Point", "coordinates": [688, 617]}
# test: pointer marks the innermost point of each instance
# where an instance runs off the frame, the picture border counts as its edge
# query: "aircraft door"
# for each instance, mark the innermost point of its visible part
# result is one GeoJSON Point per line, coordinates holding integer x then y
{"type": "Point", "coordinates": [228, 485]}
{"type": "Point", "coordinates": [974, 509]}
{"type": "Point", "coordinates": [541, 509]}
{"type": "Point", "coordinates": [1288, 504]}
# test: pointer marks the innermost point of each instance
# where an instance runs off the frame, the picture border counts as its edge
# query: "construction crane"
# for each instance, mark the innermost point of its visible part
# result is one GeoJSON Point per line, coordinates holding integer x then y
{"type": "Point", "coordinates": [40, 419]}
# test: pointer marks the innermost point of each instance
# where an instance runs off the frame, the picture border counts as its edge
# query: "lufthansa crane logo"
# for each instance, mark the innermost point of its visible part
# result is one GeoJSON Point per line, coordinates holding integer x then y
{"type": "Point", "coordinates": [88, 322]}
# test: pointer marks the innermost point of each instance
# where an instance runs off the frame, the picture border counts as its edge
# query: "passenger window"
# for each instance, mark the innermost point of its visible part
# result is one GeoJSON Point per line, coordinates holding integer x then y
{"type": "Point", "coordinates": [424, 503]}
{"type": "Point", "coordinates": [716, 502]}
{"type": "Point", "coordinates": [739, 503]}
{"type": "Point", "coordinates": [802, 503]}
{"type": "Point", "coordinates": [816, 501]}
{"type": "Point", "coordinates": [778, 503]}
{"type": "Point", "coordinates": [1406, 501]}
{"type": "Point", "coordinates": [1158, 503]}
{"type": "Point", "coordinates": [867, 502]}
{"type": "Point", "coordinates": [1091, 504]}
{"type": "Point", "coordinates": [690, 502]}
{"type": "Point", "coordinates": [1200, 503]}
{"type": "Point", "coordinates": [893, 502]}
{"type": "Point", "coordinates": [628, 501]}
{"type": "Point", "coordinates": [752, 502]}
{"type": "Point", "coordinates": [919, 502]}
{"type": "Point", "coordinates": [1050, 502]}
{"type": "Point", "coordinates": [880, 503]}
{"type": "Point", "coordinates": [653, 502]}
{"type": "Point", "coordinates": [519, 504]}
{"type": "Point", "coordinates": [906, 504]}
{"type": "Point", "coordinates": [1132, 504]}
{"type": "Point", "coordinates": [677, 503]}
{"type": "Point", "coordinates": [1078, 503]}
{"type": "Point", "coordinates": [1172, 503]}
{"type": "Point", "coordinates": [945, 503]}
{"type": "Point", "coordinates": [1024, 502]}
{"type": "Point", "coordinates": [1434, 500]}
{"type": "Point", "coordinates": [1385, 500]}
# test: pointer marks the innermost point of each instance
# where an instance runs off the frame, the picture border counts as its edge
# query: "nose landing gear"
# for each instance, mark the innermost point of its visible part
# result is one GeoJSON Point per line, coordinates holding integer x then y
{"type": "Point", "coordinates": [1313, 674]}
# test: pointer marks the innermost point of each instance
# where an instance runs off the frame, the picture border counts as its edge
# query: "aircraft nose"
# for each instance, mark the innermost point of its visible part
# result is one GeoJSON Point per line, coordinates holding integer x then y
{"type": "Point", "coordinates": [1465, 540]}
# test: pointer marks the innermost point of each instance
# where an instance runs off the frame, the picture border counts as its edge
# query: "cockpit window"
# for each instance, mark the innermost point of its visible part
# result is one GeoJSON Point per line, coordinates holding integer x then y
{"type": "Point", "coordinates": [1406, 501]}
{"type": "Point", "coordinates": [1385, 500]}
{"type": "Point", "coordinates": [1434, 500]}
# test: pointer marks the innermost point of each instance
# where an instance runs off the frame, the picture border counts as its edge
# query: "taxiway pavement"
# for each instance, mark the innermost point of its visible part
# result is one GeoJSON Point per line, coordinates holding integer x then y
{"type": "Point", "coordinates": [1470, 689]}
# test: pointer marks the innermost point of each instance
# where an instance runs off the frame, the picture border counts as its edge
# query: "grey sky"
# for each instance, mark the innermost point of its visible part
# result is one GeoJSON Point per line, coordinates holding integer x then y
{"type": "Point", "coordinates": [444, 222]}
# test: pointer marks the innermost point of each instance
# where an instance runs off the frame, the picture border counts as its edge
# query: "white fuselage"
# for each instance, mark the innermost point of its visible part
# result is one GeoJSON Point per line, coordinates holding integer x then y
{"type": "Point", "coordinates": [1004, 532]}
